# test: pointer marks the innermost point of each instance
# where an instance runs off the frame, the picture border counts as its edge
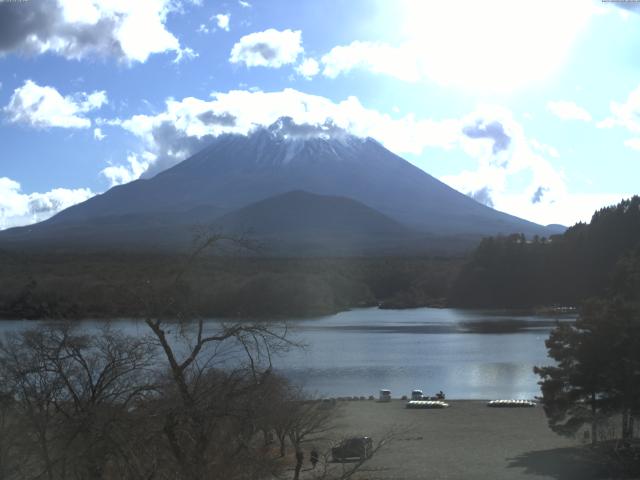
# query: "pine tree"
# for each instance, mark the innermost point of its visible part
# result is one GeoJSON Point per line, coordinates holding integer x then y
{"type": "Point", "coordinates": [597, 371]}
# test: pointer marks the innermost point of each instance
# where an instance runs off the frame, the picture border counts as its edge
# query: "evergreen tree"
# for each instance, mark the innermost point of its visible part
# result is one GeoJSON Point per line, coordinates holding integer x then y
{"type": "Point", "coordinates": [513, 272]}
{"type": "Point", "coordinates": [597, 371]}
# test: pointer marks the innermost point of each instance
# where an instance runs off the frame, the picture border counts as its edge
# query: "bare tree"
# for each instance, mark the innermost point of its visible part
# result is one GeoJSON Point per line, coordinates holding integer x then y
{"type": "Point", "coordinates": [73, 393]}
{"type": "Point", "coordinates": [212, 370]}
{"type": "Point", "coordinates": [8, 433]}
{"type": "Point", "coordinates": [309, 420]}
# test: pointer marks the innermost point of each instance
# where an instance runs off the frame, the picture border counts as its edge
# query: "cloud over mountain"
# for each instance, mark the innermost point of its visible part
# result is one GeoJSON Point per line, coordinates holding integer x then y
{"type": "Point", "coordinates": [187, 125]}
{"type": "Point", "coordinates": [493, 131]}
{"type": "Point", "coordinates": [483, 196]}
{"type": "Point", "coordinates": [513, 171]}
{"type": "Point", "coordinates": [538, 194]}
{"type": "Point", "coordinates": [497, 144]}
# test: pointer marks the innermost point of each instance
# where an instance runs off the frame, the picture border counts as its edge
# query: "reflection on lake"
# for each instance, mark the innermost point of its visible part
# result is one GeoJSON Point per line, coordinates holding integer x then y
{"type": "Point", "coordinates": [465, 353]}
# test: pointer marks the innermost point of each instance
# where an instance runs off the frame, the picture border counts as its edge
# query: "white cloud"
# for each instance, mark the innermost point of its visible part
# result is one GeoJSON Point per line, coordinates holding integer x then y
{"type": "Point", "coordinates": [491, 45]}
{"type": "Point", "coordinates": [18, 208]}
{"type": "Point", "coordinates": [309, 68]}
{"type": "Point", "coordinates": [244, 4]}
{"type": "Point", "coordinates": [186, 125]}
{"type": "Point", "coordinates": [223, 21]}
{"type": "Point", "coordinates": [98, 135]}
{"type": "Point", "coordinates": [136, 166]}
{"type": "Point", "coordinates": [399, 62]}
{"type": "Point", "coordinates": [547, 150]}
{"type": "Point", "coordinates": [518, 176]}
{"type": "Point", "coordinates": [44, 106]}
{"type": "Point", "coordinates": [185, 54]}
{"type": "Point", "coordinates": [568, 111]}
{"type": "Point", "coordinates": [128, 30]}
{"type": "Point", "coordinates": [626, 115]}
{"type": "Point", "coordinates": [93, 100]}
{"type": "Point", "coordinates": [633, 143]}
{"type": "Point", "coordinates": [271, 48]}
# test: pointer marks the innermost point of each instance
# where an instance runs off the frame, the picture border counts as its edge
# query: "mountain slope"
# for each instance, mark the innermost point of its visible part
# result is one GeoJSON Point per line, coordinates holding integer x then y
{"type": "Point", "coordinates": [303, 223]}
{"type": "Point", "coordinates": [149, 230]}
{"type": "Point", "coordinates": [297, 223]}
{"type": "Point", "coordinates": [235, 171]}
{"type": "Point", "coordinates": [303, 213]}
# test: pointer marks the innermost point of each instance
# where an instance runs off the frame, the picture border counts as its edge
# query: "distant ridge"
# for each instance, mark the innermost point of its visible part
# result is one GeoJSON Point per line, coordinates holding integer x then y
{"type": "Point", "coordinates": [303, 213]}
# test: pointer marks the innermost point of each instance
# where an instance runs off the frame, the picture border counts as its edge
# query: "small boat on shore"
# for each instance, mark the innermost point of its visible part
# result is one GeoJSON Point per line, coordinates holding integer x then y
{"type": "Point", "coordinates": [426, 404]}
{"type": "Point", "coordinates": [511, 404]}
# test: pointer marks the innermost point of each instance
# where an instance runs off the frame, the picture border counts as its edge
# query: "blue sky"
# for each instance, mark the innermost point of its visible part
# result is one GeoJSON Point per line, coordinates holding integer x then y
{"type": "Point", "coordinates": [531, 107]}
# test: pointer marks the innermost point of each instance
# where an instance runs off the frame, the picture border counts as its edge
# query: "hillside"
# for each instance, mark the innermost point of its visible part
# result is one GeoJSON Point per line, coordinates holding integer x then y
{"type": "Point", "coordinates": [235, 171]}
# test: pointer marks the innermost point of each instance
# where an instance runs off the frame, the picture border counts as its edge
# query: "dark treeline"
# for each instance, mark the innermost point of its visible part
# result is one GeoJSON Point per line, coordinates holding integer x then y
{"type": "Point", "coordinates": [586, 261]}
{"type": "Point", "coordinates": [503, 272]}
{"type": "Point", "coordinates": [54, 285]}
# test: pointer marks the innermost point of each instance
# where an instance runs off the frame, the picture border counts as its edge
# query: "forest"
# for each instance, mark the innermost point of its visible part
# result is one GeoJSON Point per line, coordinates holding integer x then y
{"type": "Point", "coordinates": [588, 260]}
{"type": "Point", "coordinates": [513, 271]}
{"type": "Point", "coordinates": [99, 285]}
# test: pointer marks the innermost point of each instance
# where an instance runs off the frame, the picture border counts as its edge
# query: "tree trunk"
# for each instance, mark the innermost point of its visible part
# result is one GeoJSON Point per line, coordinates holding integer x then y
{"type": "Point", "coordinates": [42, 438]}
{"type": "Point", "coordinates": [593, 419]}
{"type": "Point", "coordinates": [627, 425]}
{"type": "Point", "coordinates": [283, 448]}
{"type": "Point", "coordinates": [296, 474]}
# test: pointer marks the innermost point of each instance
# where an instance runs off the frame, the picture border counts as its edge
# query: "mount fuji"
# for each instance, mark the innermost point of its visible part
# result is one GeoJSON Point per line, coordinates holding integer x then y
{"type": "Point", "coordinates": [290, 183]}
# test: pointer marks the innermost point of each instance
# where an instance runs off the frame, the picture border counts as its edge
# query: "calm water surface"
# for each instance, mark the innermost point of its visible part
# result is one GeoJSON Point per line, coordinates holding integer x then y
{"type": "Point", "coordinates": [465, 353]}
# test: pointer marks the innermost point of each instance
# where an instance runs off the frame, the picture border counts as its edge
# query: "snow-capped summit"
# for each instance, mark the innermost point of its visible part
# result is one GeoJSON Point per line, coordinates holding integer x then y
{"type": "Point", "coordinates": [284, 140]}
{"type": "Point", "coordinates": [287, 129]}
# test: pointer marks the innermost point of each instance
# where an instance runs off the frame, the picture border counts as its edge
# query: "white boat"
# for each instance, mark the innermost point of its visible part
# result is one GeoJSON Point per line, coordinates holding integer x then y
{"type": "Point", "coordinates": [511, 403]}
{"type": "Point", "coordinates": [426, 404]}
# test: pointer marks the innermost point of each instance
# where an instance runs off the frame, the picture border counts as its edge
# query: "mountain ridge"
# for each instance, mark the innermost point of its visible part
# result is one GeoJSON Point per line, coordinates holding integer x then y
{"type": "Point", "coordinates": [235, 171]}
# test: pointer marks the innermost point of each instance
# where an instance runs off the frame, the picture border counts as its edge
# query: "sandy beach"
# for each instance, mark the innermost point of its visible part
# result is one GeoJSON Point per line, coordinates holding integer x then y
{"type": "Point", "coordinates": [468, 440]}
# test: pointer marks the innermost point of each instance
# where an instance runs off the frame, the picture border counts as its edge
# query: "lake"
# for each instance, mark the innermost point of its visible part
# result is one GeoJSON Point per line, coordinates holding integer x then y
{"type": "Point", "coordinates": [467, 354]}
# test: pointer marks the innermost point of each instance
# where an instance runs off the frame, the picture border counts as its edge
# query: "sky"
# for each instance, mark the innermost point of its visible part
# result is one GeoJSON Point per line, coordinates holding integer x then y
{"type": "Point", "coordinates": [532, 108]}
